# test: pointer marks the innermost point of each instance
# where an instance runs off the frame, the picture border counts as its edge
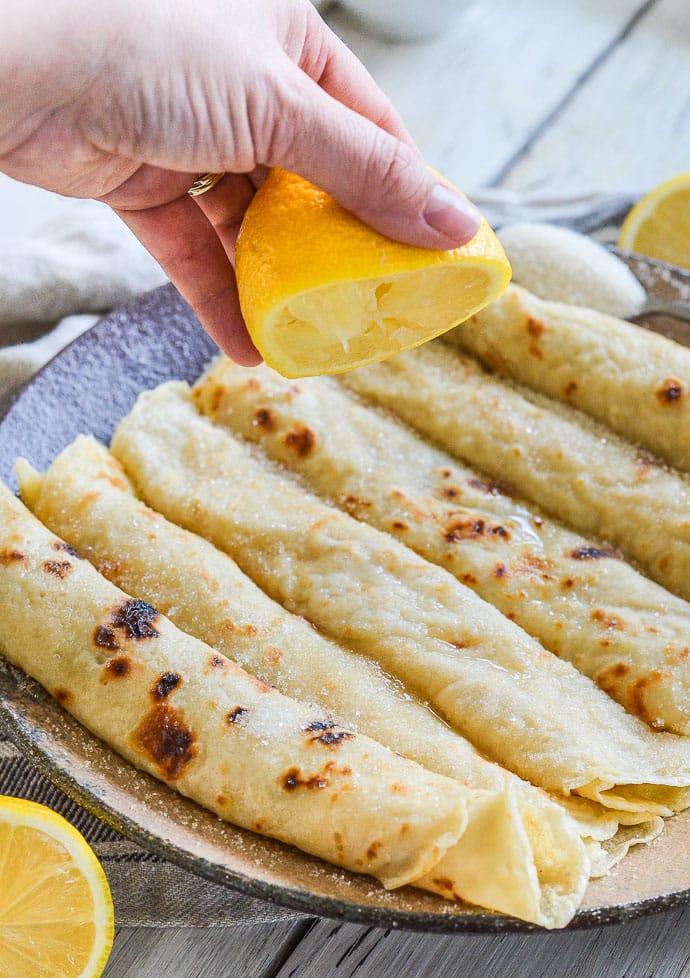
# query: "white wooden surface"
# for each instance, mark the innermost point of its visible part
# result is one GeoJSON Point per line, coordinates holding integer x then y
{"type": "Point", "coordinates": [528, 95]}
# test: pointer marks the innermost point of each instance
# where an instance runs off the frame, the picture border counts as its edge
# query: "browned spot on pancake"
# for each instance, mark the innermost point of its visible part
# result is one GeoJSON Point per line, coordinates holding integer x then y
{"type": "Point", "coordinates": [463, 527]}
{"type": "Point", "coordinates": [136, 618]}
{"type": "Point", "coordinates": [217, 661]}
{"type": "Point", "coordinates": [511, 615]}
{"type": "Point", "coordinates": [301, 440]}
{"type": "Point", "coordinates": [262, 687]}
{"type": "Point", "coordinates": [538, 522]}
{"type": "Point", "coordinates": [11, 556]}
{"type": "Point", "coordinates": [443, 883]}
{"type": "Point", "coordinates": [259, 825]}
{"type": "Point", "coordinates": [67, 548]}
{"type": "Point", "coordinates": [530, 563]}
{"type": "Point", "coordinates": [607, 620]}
{"type": "Point", "coordinates": [536, 329]}
{"type": "Point", "coordinates": [118, 667]}
{"type": "Point", "coordinates": [490, 486]}
{"type": "Point", "coordinates": [164, 685]}
{"type": "Point", "coordinates": [570, 388]}
{"type": "Point", "coordinates": [105, 637]}
{"type": "Point", "coordinates": [215, 397]}
{"type": "Point", "coordinates": [373, 850]}
{"type": "Point", "coordinates": [164, 737]}
{"type": "Point", "coordinates": [450, 492]}
{"type": "Point", "coordinates": [263, 418]}
{"type": "Point", "coordinates": [399, 525]}
{"type": "Point", "coordinates": [458, 643]}
{"type": "Point", "coordinates": [400, 789]}
{"type": "Point", "coordinates": [274, 655]}
{"type": "Point", "coordinates": [63, 696]}
{"type": "Point", "coordinates": [468, 578]}
{"type": "Point", "coordinates": [222, 800]}
{"type": "Point", "coordinates": [327, 733]}
{"type": "Point", "coordinates": [253, 384]}
{"type": "Point", "coordinates": [353, 504]}
{"type": "Point", "coordinates": [60, 568]}
{"type": "Point", "coordinates": [249, 629]}
{"type": "Point", "coordinates": [332, 738]}
{"type": "Point", "coordinates": [236, 714]}
{"type": "Point", "coordinates": [293, 778]}
{"type": "Point", "coordinates": [637, 698]}
{"type": "Point", "coordinates": [611, 679]}
{"type": "Point", "coordinates": [500, 570]}
{"type": "Point", "coordinates": [590, 552]}
{"type": "Point", "coordinates": [338, 842]}
{"type": "Point", "coordinates": [567, 582]}
{"type": "Point", "coordinates": [669, 392]}
{"type": "Point", "coordinates": [677, 655]}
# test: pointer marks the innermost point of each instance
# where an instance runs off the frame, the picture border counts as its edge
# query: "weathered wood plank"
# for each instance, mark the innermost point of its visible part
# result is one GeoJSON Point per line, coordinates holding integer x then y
{"type": "Point", "coordinates": [628, 124]}
{"type": "Point", "coordinates": [473, 97]}
{"type": "Point", "coordinates": [249, 951]}
{"type": "Point", "coordinates": [658, 946]}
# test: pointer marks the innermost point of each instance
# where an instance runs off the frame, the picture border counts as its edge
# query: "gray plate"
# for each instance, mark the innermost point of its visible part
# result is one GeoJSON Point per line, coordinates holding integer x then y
{"type": "Point", "coordinates": [87, 388]}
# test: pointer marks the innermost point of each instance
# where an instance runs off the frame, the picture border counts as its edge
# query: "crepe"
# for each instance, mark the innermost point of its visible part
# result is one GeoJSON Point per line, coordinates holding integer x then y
{"type": "Point", "coordinates": [537, 872]}
{"type": "Point", "coordinates": [556, 585]}
{"type": "Point", "coordinates": [518, 704]}
{"type": "Point", "coordinates": [632, 379]}
{"type": "Point", "coordinates": [189, 716]}
{"type": "Point", "coordinates": [576, 469]}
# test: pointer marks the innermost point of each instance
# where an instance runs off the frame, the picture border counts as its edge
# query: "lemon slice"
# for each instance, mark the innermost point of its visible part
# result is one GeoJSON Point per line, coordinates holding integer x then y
{"type": "Point", "coordinates": [321, 292]}
{"type": "Point", "coordinates": [659, 225]}
{"type": "Point", "coordinates": [56, 914]}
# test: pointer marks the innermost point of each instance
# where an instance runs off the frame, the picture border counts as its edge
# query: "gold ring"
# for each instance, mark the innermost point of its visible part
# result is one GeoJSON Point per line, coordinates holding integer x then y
{"type": "Point", "coordinates": [204, 183]}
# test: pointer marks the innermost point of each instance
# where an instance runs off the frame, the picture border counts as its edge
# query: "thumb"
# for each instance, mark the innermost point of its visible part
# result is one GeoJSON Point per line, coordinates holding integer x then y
{"type": "Point", "coordinates": [366, 169]}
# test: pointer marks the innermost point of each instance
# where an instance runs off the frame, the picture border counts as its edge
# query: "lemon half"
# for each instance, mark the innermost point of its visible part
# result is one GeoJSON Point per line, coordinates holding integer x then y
{"type": "Point", "coordinates": [659, 225]}
{"type": "Point", "coordinates": [56, 913]}
{"type": "Point", "coordinates": [321, 292]}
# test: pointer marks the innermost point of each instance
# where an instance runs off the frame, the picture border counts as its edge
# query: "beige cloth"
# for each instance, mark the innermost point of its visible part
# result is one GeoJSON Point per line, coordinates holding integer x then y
{"type": "Point", "coordinates": [85, 262]}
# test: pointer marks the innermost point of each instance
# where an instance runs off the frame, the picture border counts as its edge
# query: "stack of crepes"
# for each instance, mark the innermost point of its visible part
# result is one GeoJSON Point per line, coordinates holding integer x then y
{"type": "Point", "coordinates": [332, 632]}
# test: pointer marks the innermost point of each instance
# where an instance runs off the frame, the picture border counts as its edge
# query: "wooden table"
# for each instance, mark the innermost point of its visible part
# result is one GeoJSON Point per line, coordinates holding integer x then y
{"type": "Point", "coordinates": [531, 96]}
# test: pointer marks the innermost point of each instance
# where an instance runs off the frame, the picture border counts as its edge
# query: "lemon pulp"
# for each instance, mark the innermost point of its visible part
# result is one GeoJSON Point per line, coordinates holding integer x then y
{"type": "Point", "coordinates": [56, 915]}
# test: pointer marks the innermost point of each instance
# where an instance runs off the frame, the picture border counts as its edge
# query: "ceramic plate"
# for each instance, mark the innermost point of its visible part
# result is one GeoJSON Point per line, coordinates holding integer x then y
{"type": "Point", "coordinates": [87, 388]}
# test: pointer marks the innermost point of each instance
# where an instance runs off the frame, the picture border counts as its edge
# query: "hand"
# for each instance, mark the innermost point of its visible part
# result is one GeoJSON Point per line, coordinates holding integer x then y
{"type": "Point", "coordinates": [129, 102]}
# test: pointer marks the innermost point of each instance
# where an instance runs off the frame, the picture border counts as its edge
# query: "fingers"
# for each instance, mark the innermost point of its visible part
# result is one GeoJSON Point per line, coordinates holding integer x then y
{"type": "Point", "coordinates": [224, 207]}
{"type": "Point", "coordinates": [187, 247]}
{"type": "Point", "coordinates": [372, 173]}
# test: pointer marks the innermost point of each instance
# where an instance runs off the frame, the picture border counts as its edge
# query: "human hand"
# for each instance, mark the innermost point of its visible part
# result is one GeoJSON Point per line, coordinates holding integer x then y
{"type": "Point", "coordinates": [132, 107]}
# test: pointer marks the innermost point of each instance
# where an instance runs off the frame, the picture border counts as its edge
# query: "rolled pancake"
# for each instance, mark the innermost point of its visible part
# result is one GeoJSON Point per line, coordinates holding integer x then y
{"type": "Point", "coordinates": [635, 381]}
{"type": "Point", "coordinates": [577, 470]}
{"type": "Point", "coordinates": [179, 710]}
{"type": "Point", "coordinates": [521, 706]}
{"type": "Point", "coordinates": [85, 498]}
{"type": "Point", "coordinates": [583, 603]}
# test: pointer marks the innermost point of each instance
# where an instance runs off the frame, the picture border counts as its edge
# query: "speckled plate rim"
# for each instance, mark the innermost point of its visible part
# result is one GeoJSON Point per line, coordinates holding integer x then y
{"type": "Point", "coordinates": [298, 899]}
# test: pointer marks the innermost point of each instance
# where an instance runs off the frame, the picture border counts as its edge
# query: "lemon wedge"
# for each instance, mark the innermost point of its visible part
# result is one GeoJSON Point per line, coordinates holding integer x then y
{"type": "Point", "coordinates": [56, 913]}
{"type": "Point", "coordinates": [321, 292]}
{"type": "Point", "coordinates": [659, 225]}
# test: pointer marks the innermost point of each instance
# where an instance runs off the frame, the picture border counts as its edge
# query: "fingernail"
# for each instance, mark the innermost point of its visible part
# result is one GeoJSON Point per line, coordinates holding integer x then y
{"type": "Point", "coordinates": [451, 214]}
